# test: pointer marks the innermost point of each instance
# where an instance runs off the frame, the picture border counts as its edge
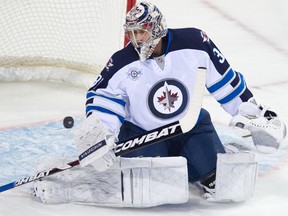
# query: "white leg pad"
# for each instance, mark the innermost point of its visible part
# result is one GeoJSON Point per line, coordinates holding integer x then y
{"type": "Point", "coordinates": [131, 182]}
{"type": "Point", "coordinates": [236, 175]}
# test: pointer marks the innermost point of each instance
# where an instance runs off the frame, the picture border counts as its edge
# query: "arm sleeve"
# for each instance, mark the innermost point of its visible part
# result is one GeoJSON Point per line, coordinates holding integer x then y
{"type": "Point", "coordinates": [226, 85]}
{"type": "Point", "coordinates": [107, 100]}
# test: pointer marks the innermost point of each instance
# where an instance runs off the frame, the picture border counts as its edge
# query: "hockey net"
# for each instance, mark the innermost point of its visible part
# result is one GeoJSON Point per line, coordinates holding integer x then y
{"type": "Point", "coordinates": [57, 39]}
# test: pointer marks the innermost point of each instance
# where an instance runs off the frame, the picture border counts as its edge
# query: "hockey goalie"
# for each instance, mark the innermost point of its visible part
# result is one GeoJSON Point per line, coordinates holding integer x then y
{"type": "Point", "coordinates": [147, 85]}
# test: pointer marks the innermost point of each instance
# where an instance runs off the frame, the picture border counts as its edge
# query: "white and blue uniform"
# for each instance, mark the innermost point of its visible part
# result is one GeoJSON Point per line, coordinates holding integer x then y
{"type": "Point", "coordinates": [152, 93]}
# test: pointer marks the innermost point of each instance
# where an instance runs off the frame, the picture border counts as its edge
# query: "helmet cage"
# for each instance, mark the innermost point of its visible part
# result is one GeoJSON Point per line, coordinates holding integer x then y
{"type": "Point", "coordinates": [143, 38]}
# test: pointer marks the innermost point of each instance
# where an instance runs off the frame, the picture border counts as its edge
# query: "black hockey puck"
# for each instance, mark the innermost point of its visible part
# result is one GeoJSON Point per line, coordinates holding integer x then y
{"type": "Point", "coordinates": [68, 122]}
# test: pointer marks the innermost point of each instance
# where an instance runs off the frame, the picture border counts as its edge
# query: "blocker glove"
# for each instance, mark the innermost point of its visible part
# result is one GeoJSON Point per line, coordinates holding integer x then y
{"type": "Point", "coordinates": [95, 144]}
{"type": "Point", "coordinates": [267, 130]}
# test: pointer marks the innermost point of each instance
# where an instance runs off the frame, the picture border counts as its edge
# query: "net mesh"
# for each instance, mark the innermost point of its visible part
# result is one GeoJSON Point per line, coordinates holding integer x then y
{"type": "Point", "coordinates": [75, 34]}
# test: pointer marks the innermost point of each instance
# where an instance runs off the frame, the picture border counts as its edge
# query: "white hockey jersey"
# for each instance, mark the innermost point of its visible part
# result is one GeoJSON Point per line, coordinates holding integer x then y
{"type": "Point", "coordinates": [156, 92]}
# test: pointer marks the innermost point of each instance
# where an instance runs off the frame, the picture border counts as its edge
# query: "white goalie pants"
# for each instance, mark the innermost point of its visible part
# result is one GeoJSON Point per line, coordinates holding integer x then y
{"type": "Point", "coordinates": [131, 182]}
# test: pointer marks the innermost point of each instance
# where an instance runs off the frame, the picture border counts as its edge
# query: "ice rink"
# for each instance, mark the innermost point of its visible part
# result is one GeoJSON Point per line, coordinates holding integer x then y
{"type": "Point", "coordinates": [253, 37]}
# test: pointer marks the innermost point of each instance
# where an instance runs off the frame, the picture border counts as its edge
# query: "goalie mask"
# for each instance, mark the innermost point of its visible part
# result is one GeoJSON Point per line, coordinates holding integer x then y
{"type": "Point", "coordinates": [144, 27]}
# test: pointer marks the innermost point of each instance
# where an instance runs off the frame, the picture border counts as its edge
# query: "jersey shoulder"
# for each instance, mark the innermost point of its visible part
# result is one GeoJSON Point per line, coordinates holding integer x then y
{"type": "Point", "coordinates": [187, 38]}
{"type": "Point", "coordinates": [117, 61]}
{"type": "Point", "coordinates": [121, 58]}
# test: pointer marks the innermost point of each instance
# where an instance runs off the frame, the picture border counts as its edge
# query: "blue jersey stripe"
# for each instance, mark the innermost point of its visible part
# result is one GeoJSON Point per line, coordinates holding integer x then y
{"type": "Point", "coordinates": [234, 93]}
{"type": "Point", "coordinates": [222, 82]}
{"type": "Point", "coordinates": [104, 110]}
{"type": "Point", "coordinates": [118, 101]}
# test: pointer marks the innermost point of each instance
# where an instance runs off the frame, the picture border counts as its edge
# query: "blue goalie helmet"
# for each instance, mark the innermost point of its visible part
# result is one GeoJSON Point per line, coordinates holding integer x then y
{"type": "Point", "coordinates": [144, 27]}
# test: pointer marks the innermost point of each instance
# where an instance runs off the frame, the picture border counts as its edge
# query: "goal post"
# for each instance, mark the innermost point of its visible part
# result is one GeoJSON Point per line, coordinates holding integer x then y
{"type": "Point", "coordinates": [40, 39]}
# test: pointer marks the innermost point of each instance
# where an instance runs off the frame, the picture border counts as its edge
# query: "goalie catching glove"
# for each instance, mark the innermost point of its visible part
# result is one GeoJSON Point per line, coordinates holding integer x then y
{"type": "Point", "coordinates": [267, 130]}
{"type": "Point", "coordinates": [95, 144]}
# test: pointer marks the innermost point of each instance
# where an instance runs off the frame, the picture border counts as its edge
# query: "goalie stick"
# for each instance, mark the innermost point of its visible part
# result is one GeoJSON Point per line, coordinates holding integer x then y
{"type": "Point", "coordinates": [156, 135]}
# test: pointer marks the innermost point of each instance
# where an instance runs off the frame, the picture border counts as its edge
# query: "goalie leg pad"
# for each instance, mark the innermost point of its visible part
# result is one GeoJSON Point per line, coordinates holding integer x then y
{"type": "Point", "coordinates": [236, 175]}
{"type": "Point", "coordinates": [132, 182]}
{"type": "Point", "coordinates": [51, 191]}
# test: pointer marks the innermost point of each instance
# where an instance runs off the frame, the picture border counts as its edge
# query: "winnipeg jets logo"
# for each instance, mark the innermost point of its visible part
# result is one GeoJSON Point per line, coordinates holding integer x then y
{"type": "Point", "coordinates": [205, 37]}
{"type": "Point", "coordinates": [167, 98]}
{"type": "Point", "coordinates": [109, 64]}
{"type": "Point", "coordinates": [135, 15]}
